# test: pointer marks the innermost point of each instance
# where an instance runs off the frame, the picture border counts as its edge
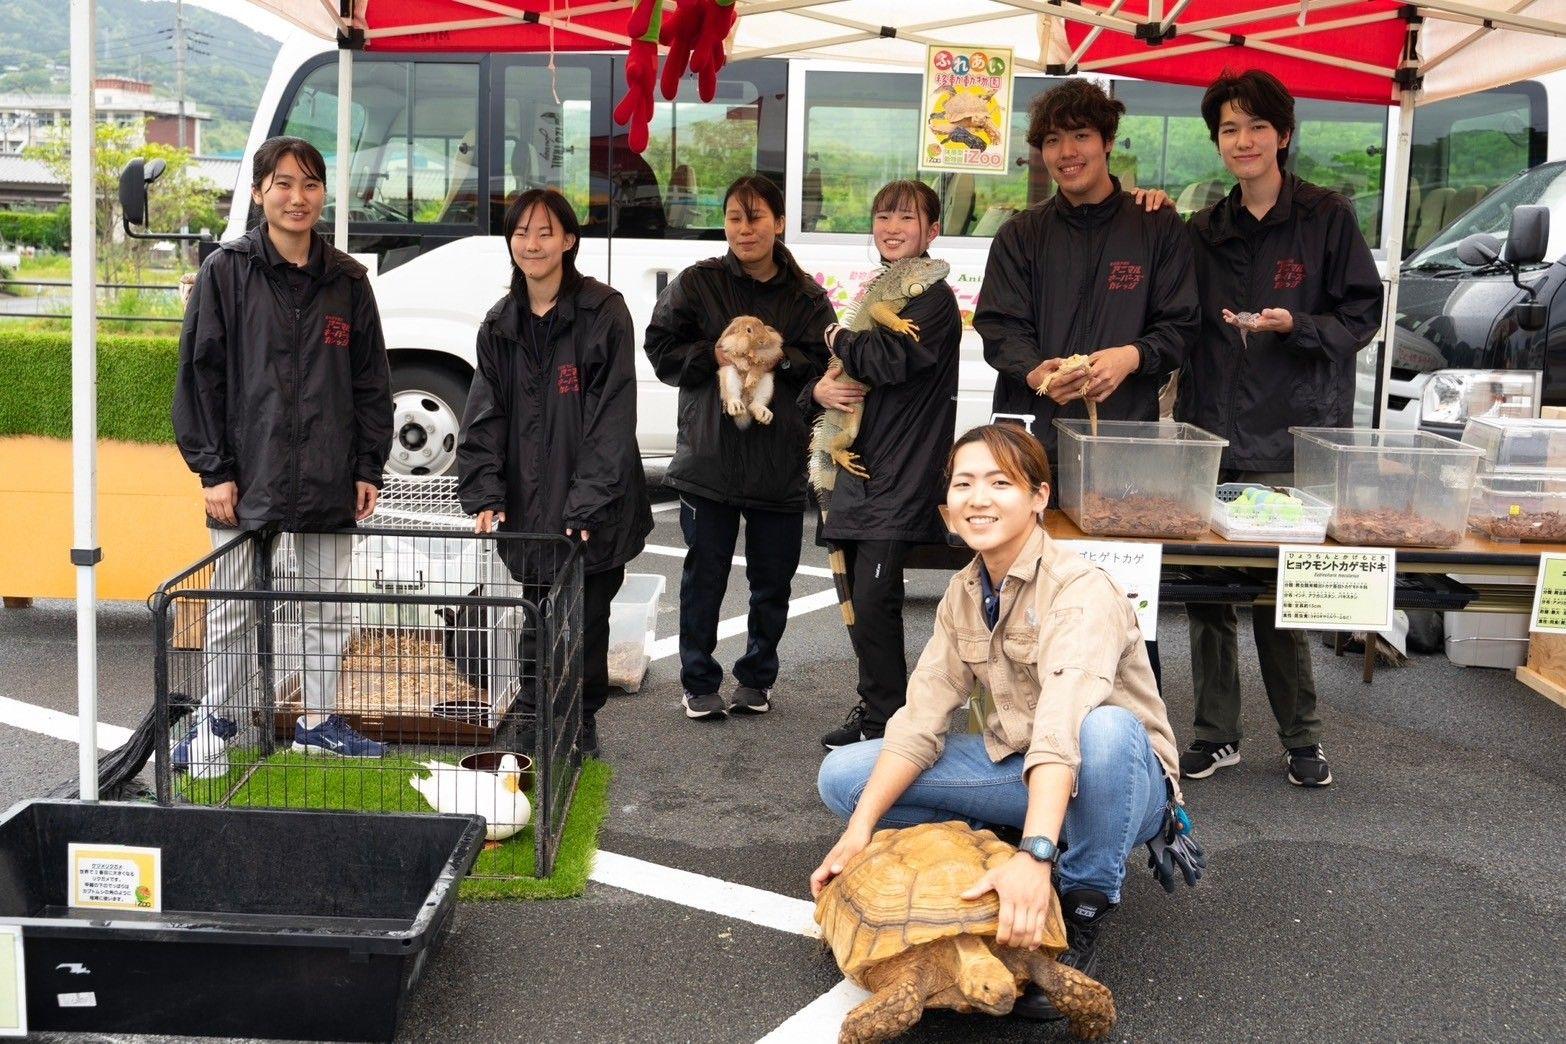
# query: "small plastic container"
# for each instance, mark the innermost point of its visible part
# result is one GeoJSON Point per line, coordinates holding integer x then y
{"type": "Point", "coordinates": [1388, 488]}
{"type": "Point", "coordinates": [1138, 478]}
{"type": "Point", "coordinates": [633, 616]}
{"type": "Point", "coordinates": [253, 940]}
{"type": "Point", "coordinates": [1518, 442]}
{"type": "Point", "coordinates": [1239, 516]}
{"type": "Point", "coordinates": [1520, 505]}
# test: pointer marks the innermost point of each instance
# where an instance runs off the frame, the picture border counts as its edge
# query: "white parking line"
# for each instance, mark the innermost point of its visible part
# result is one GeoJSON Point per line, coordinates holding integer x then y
{"type": "Point", "coordinates": [739, 560]}
{"type": "Point", "coordinates": [671, 506]}
{"type": "Point", "coordinates": [663, 648]}
{"type": "Point", "coordinates": [60, 725]}
{"type": "Point", "coordinates": [700, 892]}
{"type": "Point", "coordinates": [820, 1019]}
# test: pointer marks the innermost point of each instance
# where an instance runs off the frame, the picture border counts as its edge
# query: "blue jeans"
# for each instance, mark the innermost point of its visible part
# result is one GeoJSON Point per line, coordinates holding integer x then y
{"type": "Point", "coordinates": [1121, 793]}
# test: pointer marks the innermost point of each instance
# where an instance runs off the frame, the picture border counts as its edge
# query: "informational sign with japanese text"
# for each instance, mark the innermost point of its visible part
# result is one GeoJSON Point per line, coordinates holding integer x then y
{"type": "Point", "coordinates": [115, 877]}
{"type": "Point", "coordinates": [13, 983]}
{"type": "Point", "coordinates": [1336, 588]}
{"type": "Point", "coordinates": [966, 110]}
{"type": "Point", "coordinates": [1549, 595]}
{"type": "Point", "coordinates": [1135, 567]}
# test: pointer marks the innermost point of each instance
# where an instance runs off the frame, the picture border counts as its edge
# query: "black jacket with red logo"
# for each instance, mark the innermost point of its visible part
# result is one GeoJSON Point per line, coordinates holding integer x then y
{"type": "Point", "coordinates": [549, 432]}
{"type": "Point", "coordinates": [288, 397]}
{"type": "Point", "coordinates": [1306, 255]}
{"type": "Point", "coordinates": [1066, 280]}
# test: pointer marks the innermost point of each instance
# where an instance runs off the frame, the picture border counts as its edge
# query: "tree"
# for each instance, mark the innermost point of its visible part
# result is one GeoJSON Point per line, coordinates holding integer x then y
{"type": "Point", "coordinates": [177, 198]}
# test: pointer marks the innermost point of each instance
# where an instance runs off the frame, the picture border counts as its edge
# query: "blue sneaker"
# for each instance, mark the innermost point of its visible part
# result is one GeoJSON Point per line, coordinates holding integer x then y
{"type": "Point", "coordinates": [336, 737]}
{"type": "Point", "coordinates": [201, 752]}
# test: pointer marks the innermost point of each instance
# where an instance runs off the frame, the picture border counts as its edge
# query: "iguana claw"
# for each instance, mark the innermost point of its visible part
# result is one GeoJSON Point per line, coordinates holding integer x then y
{"type": "Point", "coordinates": [849, 462]}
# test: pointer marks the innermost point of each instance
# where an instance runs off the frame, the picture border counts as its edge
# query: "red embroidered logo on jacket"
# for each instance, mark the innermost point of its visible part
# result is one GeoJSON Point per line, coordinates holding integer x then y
{"type": "Point", "coordinates": [1124, 275]}
{"type": "Point", "coordinates": [336, 332]}
{"type": "Point", "coordinates": [566, 382]}
{"type": "Point", "coordinates": [1289, 274]}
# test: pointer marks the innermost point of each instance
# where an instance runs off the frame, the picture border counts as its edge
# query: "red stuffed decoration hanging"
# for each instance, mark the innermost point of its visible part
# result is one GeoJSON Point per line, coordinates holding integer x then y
{"type": "Point", "coordinates": [695, 34]}
{"type": "Point", "coordinates": [635, 110]}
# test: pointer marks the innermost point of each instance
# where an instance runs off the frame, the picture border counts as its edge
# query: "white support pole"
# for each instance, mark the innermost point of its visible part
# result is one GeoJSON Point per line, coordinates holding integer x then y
{"type": "Point", "coordinates": [340, 191]}
{"type": "Point", "coordinates": [84, 390]}
{"type": "Point", "coordinates": [1397, 185]}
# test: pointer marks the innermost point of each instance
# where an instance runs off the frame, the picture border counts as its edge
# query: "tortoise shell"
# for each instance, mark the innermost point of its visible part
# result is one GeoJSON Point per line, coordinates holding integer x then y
{"type": "Point", "coordinates": [903, 891]}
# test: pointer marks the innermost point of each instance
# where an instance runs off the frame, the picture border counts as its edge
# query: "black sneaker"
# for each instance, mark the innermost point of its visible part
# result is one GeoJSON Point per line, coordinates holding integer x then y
{"type": "Point", "coordinates": [1201, 759]}
{"type": "Point", "coordinates": [1308, 766]}
{"type": "Point", "coordinates": [750, 701]}
{"type": "Point", "coordinates": [1085, 910]}
{"type": "Point", "coordinates": [710, 706]}
{"type": "Point", "coordinates": [853, 730]}
{"type": "Point", "coordinates": [587, 739]}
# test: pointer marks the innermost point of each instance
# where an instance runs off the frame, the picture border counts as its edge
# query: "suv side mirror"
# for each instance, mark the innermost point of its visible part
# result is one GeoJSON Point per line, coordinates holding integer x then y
{"type": "Point", "coordinates": [1479, 250]}
{"type": "Point", "coordinates": [1529, 238]}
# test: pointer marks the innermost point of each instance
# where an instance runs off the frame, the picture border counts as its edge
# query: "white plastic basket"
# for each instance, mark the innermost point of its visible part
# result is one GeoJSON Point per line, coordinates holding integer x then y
{"type": "Point", "coordinates": [1310, 527]}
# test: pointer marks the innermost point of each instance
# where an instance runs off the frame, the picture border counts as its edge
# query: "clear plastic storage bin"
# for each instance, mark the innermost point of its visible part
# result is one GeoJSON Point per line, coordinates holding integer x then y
{"type": "Point", "coordinates": [1388, 488]}
{"type": "Point", "coordinates": [1269, 514]}
{"type": "Point", "coordinates": [1513, 442]}
{"type": "Point", "coordinates": [1138, 478]}
{"type": "Point", "coordinates": [632, 629]}
{"type": "Point", "coordinates": [1520, 504]}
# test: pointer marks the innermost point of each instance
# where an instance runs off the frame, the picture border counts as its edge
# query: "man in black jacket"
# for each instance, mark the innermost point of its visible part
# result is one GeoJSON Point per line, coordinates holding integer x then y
{"type": "Point", "coordinates": [283, 406]}
{"type": "Point", "coordinates": [1291, 254]}
{"type": "Point", "coordinates": [1087, 272]}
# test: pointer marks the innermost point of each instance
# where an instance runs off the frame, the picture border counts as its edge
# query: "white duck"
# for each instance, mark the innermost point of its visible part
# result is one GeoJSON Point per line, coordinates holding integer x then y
{"type": "Point", "coordinates": [497, 796]}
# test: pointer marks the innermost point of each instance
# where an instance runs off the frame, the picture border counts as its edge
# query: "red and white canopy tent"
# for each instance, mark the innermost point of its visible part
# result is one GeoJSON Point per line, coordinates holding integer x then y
{"type": "Point", "coordinates": [1377, 51]}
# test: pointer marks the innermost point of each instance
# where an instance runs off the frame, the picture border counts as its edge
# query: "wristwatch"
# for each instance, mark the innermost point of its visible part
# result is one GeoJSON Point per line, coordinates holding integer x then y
{"type": "Point", "coordinates": [1040, 848]}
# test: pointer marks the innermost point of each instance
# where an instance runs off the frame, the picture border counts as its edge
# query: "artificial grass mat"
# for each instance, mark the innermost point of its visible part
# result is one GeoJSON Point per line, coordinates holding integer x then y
{"type": "Point", "coordinates": [135, 385]}
{"type": "Point", "coordinates": [290, 780]}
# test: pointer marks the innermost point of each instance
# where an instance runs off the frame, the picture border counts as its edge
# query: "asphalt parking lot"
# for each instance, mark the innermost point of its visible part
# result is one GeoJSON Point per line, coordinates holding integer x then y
{"type": "Point", "coordinates": [1420, 897]}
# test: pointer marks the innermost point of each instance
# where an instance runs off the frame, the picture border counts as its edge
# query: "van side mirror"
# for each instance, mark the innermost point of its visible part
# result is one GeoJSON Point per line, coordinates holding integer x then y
{"type": "Point", "coordinates": [134, 179]}
{"type": "Point", "coordinates": [1529, 238]}
{"type": "Point", "coordinates": [1479, 250]}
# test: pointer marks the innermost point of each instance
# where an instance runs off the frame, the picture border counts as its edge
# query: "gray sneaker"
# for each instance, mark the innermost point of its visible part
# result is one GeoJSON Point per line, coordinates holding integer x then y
{"type": "Point", "coordinates": [751, 701]}
{"type": "Point", "coordinates": [710, 706]}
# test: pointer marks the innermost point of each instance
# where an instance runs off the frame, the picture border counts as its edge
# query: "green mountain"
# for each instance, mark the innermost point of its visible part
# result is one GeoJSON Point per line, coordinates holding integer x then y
{"type": "Point", "coordinates": [225, 71]}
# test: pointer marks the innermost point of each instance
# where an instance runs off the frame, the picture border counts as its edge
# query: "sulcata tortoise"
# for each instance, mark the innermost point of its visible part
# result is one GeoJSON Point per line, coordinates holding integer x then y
{"type": "Point", "coordinates": [897, 927]}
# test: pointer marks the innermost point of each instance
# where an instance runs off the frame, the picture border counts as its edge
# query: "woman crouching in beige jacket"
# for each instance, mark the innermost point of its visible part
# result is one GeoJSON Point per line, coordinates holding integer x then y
{"type": "Point", "coordinates": [1076, 747]}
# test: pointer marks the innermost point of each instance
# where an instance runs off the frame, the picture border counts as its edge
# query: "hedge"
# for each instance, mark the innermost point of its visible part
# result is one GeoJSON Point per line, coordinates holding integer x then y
{"type": "Point", "coordinates": [51, 229]}
{"type": "Point", "coordinates": [135, 385]}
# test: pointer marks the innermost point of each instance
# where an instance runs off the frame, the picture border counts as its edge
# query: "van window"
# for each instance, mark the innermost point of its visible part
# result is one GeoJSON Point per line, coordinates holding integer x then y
{"type": "Point", "coordinates": [545, 143]}
{"type": "Point", "coordinates": [696, 149]}
{"type": "Point", "coordinates": [1464, 147]}
{"type": "Point", "coordinates": [1544, 186]}
{"type": "Point", "coordinates": [1164, 143]}
{"type": "Point", "coordinates": [860, 132]}
{"type": "Point", "coordinates": [414, 132]}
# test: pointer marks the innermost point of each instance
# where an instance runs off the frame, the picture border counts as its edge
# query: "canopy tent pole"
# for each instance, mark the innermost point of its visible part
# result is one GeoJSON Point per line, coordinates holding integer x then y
{"type": "Point", "coordinates": [85, 552]}
{"type": "Point", "coordinates": [1392, 236]}
{"type": "Point", "coordinates": [344, 141]}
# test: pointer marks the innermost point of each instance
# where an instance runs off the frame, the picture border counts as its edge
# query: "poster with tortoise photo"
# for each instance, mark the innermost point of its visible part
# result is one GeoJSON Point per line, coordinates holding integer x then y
{"type": "Point", "coordinates": [967, 110]}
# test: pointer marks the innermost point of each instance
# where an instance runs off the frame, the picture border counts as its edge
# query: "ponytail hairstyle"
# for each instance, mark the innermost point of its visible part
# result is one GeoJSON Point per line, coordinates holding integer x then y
{"type": "Point", "coordinates": [753, 192]}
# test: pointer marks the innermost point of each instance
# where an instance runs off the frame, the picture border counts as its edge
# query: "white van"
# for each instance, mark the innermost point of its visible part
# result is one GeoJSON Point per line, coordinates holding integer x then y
{"type": "Point", "coordinates": [441, 142]}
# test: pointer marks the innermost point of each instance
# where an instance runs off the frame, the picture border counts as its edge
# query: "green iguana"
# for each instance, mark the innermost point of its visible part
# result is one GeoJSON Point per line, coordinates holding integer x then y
{"type": "Point", "coordinates": [879, 301]}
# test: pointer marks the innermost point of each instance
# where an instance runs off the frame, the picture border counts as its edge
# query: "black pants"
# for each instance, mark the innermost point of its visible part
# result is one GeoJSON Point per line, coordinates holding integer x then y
{"type": "Point", "coordinates": [598, 590]}
{"type": "Point", "coordinates": [875, 584]}
{"type": "Point", "coordinates": [772, 544]}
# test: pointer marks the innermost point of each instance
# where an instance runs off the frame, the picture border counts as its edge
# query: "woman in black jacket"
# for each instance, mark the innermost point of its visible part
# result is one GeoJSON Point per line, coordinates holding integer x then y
{"type": "Point", "coordinates": [724, 473]}
{"type": "Point", "coordinates": [548, 440]}
{"type": "Point", "coordinates": [905, 433]}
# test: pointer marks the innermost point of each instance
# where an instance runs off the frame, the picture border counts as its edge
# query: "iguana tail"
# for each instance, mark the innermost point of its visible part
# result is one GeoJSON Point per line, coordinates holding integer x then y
{"type": "Point", "coordinates": [839, 566]}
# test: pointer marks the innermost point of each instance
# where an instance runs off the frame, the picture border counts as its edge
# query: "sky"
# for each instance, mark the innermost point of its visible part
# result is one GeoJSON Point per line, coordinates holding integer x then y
{"type": "Point", "coordinates": [245, 13]}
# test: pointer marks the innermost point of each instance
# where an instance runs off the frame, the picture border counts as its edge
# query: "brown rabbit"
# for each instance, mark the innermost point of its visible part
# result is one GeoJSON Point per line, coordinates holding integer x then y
{"type": "Point", "coordinates": [754, 350]}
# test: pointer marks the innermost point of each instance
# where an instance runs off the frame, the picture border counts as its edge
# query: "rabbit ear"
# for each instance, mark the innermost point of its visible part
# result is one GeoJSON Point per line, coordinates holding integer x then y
{"type": "Point", "coordinates": [449, 615]}
{"type": "Point", "coordinates": [772, 338]}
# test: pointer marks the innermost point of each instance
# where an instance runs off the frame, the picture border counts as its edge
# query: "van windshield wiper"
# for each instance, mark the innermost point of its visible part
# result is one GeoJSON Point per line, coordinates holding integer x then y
{"type": "Point", "coordinates": [1435, 266]}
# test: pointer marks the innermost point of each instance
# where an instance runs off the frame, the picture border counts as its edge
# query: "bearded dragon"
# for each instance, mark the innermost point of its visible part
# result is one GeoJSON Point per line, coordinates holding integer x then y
{"type": "Point", "coordinates": [1067, 367]}
{"type": "Point", "coordinates": [878, 302]}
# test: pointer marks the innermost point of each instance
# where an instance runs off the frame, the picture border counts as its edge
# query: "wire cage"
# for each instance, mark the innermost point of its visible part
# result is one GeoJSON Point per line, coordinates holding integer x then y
{"type": "Point", "coordinates": [412, 631]}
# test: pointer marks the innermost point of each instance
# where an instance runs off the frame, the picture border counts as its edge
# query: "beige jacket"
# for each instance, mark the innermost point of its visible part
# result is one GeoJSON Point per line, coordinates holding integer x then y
{"type": "Point", "coordinates": [1067, 641]}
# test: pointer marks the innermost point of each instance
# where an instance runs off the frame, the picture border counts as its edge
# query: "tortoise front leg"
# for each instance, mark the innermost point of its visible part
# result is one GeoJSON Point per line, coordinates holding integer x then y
{"type": "Point", "coordinates": [902, 985]}
{"type": "Point", "coordinates": [1086, 1003]}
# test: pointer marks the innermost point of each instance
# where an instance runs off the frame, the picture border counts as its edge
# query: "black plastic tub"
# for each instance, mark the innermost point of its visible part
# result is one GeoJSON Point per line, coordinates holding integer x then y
{"type": "Point", "coordinates": [292, 924]}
